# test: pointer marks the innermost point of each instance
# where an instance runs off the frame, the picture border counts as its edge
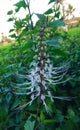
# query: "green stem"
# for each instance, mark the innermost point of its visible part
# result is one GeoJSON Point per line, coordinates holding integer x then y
{"type": "Point", "coordinates": [28, 6]}
{"type": "Point", "coordinates": [37, 114]}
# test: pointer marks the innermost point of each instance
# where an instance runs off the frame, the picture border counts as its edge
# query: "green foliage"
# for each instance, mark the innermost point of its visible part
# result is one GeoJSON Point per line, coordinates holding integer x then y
{"type": "Point", "coordinates": [29, 125]}
{"type": "Point", "coordinates": [49, 11]}
{"type": "Point", "coordinates": [19, 5]}
{"type": "Point", "coordinates": [15, 62]}
{"type": "Point", "coordinates": [51, 1]}
{"type": "Point", "coordinates": [10, 12]}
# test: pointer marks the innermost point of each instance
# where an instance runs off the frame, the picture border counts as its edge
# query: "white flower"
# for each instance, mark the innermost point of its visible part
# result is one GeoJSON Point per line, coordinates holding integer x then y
{"type": "Point", "coordinates": [33, 64]}
{"type": "Point", "coordinates": [39, 54]}
{"type": "Point", "coordinates": [32, 89]}
{"type": "Point", "coordinates": [49, 93]}
{"type": "Point", "coordinates": [36, 50]}
{"type": "Point", "coordinates": [45, 46]}
{"type": "Point", "coordinates": [37, 68]}
{"type": "Point", "coordinates": [32, 82]}
{"type": "Point", "coordinates": [44, 84]}
{"type": "Point", "coordinates": [48, 60]}
{"type": "Point", "coordinates": [32, 97]}
{"type": "Point", "coordinates": [38, 43]}
{"type": "Point", "coordinates": [42, 62]}
{"type": "Point", "coordinates": [42, 72]}
{"type": "Point", "coordinates": [44, 54]}
{"type": "Point", "coordinates": [46, 67]}
{"type": "Point", "coordinates": [46, 107]}
{"type": "Point", "coordinates": [44, 103]}
{"type": "Point", "coordinates": [50, 70]}
{"type": "Point", "coordinates": [35, 56]}
{"type": "Point", "coordinates": [42, 48]}
{"type": "Point", "coordinates": [38, 89]}
{"type": "Point", "coordinates": [32, 73]}
{"type": "Point", "coordinates": [39, 58]}
{"type": "Point", "coordinates": [28, 93]}
{"type": "Point", "coordinates": [42, 98]}
{"type": "Point", "coordinates": [37, 78]}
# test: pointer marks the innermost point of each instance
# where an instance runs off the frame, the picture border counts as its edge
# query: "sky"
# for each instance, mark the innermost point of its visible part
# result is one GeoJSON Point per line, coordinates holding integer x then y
{"type": "Point", "coordinates": [37, 6]}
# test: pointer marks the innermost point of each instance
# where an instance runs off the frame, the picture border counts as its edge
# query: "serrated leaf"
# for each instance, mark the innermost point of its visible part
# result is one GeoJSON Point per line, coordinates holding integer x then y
{"type": "Point", "coordinates": [29, 125]}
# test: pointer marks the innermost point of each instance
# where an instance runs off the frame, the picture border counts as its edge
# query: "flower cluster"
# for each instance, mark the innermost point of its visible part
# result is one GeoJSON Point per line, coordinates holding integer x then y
{"type": "Point", "coordinates": [41, 76]}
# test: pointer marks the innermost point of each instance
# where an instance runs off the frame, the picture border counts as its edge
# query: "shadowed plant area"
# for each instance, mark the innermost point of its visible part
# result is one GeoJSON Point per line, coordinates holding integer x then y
{"type": "Point", "coordinates": [40, 72]}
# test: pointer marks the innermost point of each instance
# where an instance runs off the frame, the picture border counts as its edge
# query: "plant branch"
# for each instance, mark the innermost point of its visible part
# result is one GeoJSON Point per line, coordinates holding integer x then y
{"type": "Point", "coordinates": [28, 6]}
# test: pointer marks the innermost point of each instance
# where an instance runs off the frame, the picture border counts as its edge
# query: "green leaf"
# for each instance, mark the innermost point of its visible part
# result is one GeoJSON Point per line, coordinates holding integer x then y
{"type": "Point", "coordinates": [9, 66]}
{"type": "Point", "coordinates": [5, 106]}
{"type": "Point", "coordinates": [57, 14]}
{"type": "Point", "coordinates": [8, 74]}
{"type": "Point", "coordinates": [13, 35]}
{"type": "Point", "coordinates": [53, 42]}
{"type": "Point", "coordinates": [15, 104]}
{"type": "Point", "coordinates": [69, 125]}
{"type": "Point", "coordinates": [10, 19]}
{"type": "Point", "coordinates": [11, 30]}
{"type": "Point", "coordinates": [19, 5]}
{"type": "Point", "coordinates": [18, 24]}
{"type": "Point", "coordinates": [56, 24]}
{"type": "Point", "coordinates": [59, 116]}
{"type": "Point", "coordinates": [51, 1]}
{"type": "Point", "coordinates": [42, 116]}
{"type": "Point", "coordinates": [16, 10]}
{"type": "Point", "coordinates": [8, 97]}
{"type": "Point", "coordinates": [58, 129]}
{"type": "Point", "coordinates": [71, 114]}
{"type": "Point", "coordinates": [49, 11]}
{"type": "Point", "coordinates": [49, 121]}
{"type": "Point", "coordinates": [29, 125]}
{"type": "Point", "coordinates": [10, 12]}
{"type": "Point", "coordinates": [40, 16]}
{"type": "Point", "coordinates": [59, 23]}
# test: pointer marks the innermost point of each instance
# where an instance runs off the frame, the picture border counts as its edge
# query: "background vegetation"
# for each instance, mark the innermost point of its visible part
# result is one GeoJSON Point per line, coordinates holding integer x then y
{"type": "Point", "coordinates": [15, 59]}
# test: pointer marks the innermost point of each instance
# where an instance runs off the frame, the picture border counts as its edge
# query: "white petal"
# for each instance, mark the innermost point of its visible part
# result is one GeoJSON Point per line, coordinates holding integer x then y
{"type": "Point", "coordinates": [48, 61]}
{"type": "Point", "coordinates": [43, 98]}
{"type": "Point", "coordinates": [32, 96]}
